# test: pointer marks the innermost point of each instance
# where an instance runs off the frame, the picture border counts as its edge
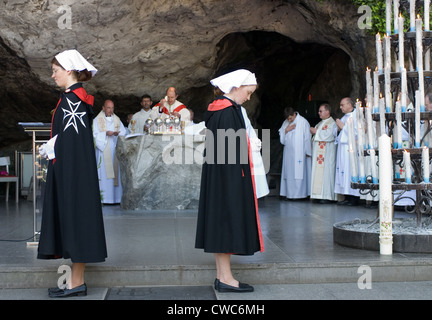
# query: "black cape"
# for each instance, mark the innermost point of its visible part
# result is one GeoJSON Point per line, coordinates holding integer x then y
{"type": "Point", "coordinates": [72, 222]}
{"type": "Point", "coordinates": [228, 219]}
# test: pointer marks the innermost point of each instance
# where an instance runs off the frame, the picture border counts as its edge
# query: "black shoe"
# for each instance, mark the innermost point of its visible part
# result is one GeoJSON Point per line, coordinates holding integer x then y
{"type": "Point", "coordinates": [324, 201]}
{"type": "Point", "coordinates": [343, 203]}
{"type": "Point", "coordinates": [243, 287]}
{"type": "Point", "coordinates": [352, 203]}
{"type": "Point", "coordinates": [54, 290]}
{"type": "Point", "coordinates": [216, 284]}
{"type": "Point", "coordinates": [66, 293]}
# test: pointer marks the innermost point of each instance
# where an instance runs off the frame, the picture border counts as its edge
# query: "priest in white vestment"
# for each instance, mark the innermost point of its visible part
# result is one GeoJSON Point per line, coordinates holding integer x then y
{"type": "Point", "coordinates": [324, 156]}
{"type": "Point", "coordinates": [138, 121]}
{"type": "Point", "coordinates": [169, 107]}
{"type": "Point", "coordinates": [343, 171]}
{"type": "Point", "coordinates": [106, 129]}
{"type": "Point", "coordinates": [296, 166]}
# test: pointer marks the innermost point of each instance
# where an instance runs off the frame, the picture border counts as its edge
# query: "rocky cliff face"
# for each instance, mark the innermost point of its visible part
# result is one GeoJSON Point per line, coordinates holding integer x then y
{"type": "Point", "coordinates": [296, 48]}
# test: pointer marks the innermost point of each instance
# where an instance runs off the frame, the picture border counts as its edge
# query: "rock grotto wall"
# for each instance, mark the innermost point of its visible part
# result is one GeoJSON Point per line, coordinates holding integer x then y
{"type": "Point", "coordinates": [296, 48]}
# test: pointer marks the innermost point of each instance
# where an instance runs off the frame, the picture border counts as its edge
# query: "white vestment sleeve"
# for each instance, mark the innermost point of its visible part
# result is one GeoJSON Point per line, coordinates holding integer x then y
{"type": "Point", "coordinates": [100, 137]}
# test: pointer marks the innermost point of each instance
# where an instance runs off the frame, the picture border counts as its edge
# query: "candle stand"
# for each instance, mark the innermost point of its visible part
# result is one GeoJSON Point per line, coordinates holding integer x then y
{"type": "Point", "coordinates": [412, 122]}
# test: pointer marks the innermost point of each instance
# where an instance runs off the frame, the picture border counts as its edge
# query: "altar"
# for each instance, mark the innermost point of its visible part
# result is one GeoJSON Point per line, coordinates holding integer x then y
{"type": "Point", "coordinates": [160, 172]}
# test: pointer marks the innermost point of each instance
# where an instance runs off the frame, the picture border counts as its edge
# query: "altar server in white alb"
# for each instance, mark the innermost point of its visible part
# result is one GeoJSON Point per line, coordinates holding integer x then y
{"type": "Point", "coordinates": [324, 156]}
{"type": "Point", "coordinates": [296, 166]}
{"type": "Point", "coordinates": [138, 121]}
{"type": "Point", "coordinates": [106, 129]}
{"type": "Point", "coordinates": [343, 170]}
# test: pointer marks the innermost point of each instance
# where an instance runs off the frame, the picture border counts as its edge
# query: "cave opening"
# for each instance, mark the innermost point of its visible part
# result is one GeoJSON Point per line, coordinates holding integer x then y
{"type": "Point", "coordinates": [300, 75]}
{"type": "Point", "coordinates": [289, 74]}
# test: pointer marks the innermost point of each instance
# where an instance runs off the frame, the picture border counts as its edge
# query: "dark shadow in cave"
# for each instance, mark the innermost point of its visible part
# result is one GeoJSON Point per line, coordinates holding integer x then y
{"type": "Point", "coordinates": [300, 75]}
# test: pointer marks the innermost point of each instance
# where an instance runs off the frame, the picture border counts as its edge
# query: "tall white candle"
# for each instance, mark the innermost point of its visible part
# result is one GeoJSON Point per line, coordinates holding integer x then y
{"type": "Point", "coordinates": [360, 148]}
{"type": "Point", "coordinates": [379, 53]}
{"type": "Point", "coordinates": [382, 116]}
{"type": "Point", "coordinates": [387, 86]}
{"type": "Point", "coordinates": [352, 150]}
{"type": "Point", "coordinates": [422, 91]}
{"type": "Point", "coordinates": [376, 91]}
{"type": "Point", "coordinates": [417, 120]}
{"type": "Point", "coordinates": [385, 196]}
{"type": "Point", "coordinates": [404, 89]}
{"type": "Point", "coordinates": [419, 44]}
{"type": "Point", "coordinates": [398, 143]}
{"type": "Point", "coordinates": [425, 164]}
{"type": "Point", "coordinates": [369, 86]}
{"type": "Point", "coordinates": [419, 58]}
{"type": "Point", "coordinates": [396, 15]}
{"type": "Point", "coordinates": [407, 166]}
{"type": "Point", "coordinates": [370, 131]}
{"type": "Point", "coordinates": [387, 55]}
{"type": "Point", "coordinates": [427, 14]}
{"type": "Point", "coordinates": [360, 122]}
{"type": "Point", "coordinates": [388, 16]}
{"type": "Point", "coordinates": [401, 43]}
{"type": "Point", "coordinates": [412, 15]}
{"type": "Point", "coordinates": [373, 165]}
{"type": "Point", "coordinates": [353, 166]}
{"type": "Point", "coordinates": [351, 134]}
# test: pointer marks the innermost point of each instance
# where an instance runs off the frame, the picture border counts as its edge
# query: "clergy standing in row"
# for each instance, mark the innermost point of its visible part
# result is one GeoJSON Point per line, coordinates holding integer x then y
{"type": "Point", "coordinates": [106, 129]}
{"type": "Point", "coordinates": [343, 172]}
{"type": "Point", "coordinates": [296, 166]}
{"type": "Point", "coordinates": [138, 121]}
{"type": "Point", "coordinates": [324, 156]}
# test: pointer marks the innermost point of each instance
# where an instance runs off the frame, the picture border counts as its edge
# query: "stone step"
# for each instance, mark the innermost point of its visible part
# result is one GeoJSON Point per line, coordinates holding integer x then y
{"type": "Point", "coordinates": [191, 275]}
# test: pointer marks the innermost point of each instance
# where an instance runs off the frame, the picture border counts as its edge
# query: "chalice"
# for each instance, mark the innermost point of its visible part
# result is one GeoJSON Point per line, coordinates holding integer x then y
{"type": "Point", "coordinates": [158, 123]}
{"type": "Point", "coordinates": [148, 124]}
{"type": "Point", "coordinates": [168, 123]}
{"type": "Point", "coordinates": [176, 122]}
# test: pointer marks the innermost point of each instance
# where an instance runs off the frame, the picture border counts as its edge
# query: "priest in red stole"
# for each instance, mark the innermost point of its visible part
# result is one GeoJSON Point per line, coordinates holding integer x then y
{"type": "Point", "coordinates": [228, 221]}
{"type": "Point", "coordinates": [170, 106]}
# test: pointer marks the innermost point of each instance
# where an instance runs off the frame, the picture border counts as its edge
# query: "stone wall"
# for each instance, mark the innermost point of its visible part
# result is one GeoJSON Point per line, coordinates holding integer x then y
{"type": "Point", "coordinates": [146, 46]}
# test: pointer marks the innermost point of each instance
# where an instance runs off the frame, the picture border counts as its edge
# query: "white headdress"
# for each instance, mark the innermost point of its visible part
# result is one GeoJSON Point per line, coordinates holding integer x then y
{"type": "Point", "coordinates": [73, 60]}
{"type": "Point", "coordinates": [235, 79]}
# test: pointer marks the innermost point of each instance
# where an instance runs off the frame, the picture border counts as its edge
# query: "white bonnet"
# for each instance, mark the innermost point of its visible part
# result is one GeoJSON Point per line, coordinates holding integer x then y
{"type": "Point", "coordinates": [235, 79]}
{"type": "Point", "coordinates": [73, 60]}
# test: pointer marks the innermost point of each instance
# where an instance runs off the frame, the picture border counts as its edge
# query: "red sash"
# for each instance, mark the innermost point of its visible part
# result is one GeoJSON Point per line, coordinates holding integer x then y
{"type": "Point", "coordinates": [165, 110]}
{"type": "Point", "coordinates": [219, 104]}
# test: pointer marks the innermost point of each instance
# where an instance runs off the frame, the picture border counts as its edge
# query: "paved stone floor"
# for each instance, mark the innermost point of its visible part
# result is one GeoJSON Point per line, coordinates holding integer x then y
{"type": "Point", "coordinates": [151, 256]}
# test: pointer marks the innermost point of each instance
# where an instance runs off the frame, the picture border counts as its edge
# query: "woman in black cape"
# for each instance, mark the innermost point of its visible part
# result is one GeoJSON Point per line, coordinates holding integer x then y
{"type": "Point", "coordinates": [228, 221]}
{"type": "Point", "coordinates": [72, 222]}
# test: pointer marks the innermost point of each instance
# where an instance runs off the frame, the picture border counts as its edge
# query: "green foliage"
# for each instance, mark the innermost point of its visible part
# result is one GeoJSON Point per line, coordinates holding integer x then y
{"type": "Point", "coordinates": [379, 15]}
